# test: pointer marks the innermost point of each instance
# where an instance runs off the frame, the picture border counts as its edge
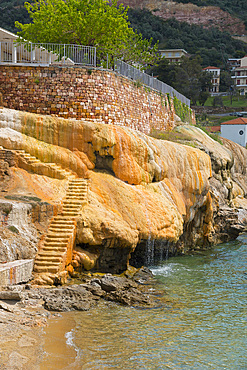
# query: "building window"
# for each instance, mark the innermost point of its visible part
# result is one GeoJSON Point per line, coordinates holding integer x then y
{"type": "Point", "coordinates": [238, 82]}
{"type": "Point", "coordinates": [241, 132]}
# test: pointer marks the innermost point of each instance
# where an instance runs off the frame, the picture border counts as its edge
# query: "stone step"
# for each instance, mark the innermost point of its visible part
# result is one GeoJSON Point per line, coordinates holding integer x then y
{"type": "Point", "coordinates": [48, 263]}
{"type": "Point", "coordinates": [61, 221]}
{"type": "Point", "coordinates": [72, 206]}
{"type": "Point", "coordinates": [61, 217]}
{"type": "Point", "coordinates": [73, 202]}
{"type": "Point", "coordinates": [68, 193]}
{"type": "Point", "coordinates": [53, 253]}
{"type": "Point", "coordinates": [61, 232]}
{"type": "Point", "coordinates": [48, 259]}
{"type": "Point", "coordinates": [58, 226]}
{"type": "Point", "coordinates": [40, 269]}
{"type": "Point", "coordinates": [77, 186]}
{"type": "Point", "coordinates": [56, 243]}
{"type": "Point", "coordinates": [54, 249]}
{"type": "Point", "coordinates": [76, 197]}
{"type": "Point", "coordinates": [70, 213]}
{"type": "Point", "coordinates": [58, 239]}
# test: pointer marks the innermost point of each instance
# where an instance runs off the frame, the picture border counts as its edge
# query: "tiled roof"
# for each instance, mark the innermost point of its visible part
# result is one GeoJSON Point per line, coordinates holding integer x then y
{"type": "Point", "coordinates": [213, 128]}
{"type": "Point", "coordinates": [236, 121]}
{"type": "Point", "coordinates": [211, 68]}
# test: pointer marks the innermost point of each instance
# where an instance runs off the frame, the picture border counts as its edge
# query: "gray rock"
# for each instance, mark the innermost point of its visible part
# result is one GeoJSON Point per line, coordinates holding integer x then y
{"type": "Point", "coordinates": [10, 295]}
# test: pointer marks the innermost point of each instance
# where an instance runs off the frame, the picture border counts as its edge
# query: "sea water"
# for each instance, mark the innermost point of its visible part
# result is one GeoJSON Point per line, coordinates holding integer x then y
{"type": "Point", "coordinates": [199, 324]}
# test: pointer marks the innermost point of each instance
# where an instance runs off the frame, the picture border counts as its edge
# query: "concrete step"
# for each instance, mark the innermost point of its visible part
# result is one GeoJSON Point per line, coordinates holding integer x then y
{"type": "Point", "coordinates": [46, 263]}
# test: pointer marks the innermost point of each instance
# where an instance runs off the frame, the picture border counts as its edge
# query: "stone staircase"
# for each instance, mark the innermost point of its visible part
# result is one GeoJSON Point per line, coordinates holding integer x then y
{"type": "Point", "coordinates": [57, 247]}
{"type": "Point", "coordinates": [34, 165]}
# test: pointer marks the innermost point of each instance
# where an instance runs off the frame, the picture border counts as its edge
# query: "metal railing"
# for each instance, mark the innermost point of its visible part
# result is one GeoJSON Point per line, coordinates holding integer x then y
{"type": "Point", "coordinates": [69, 54]}
{"type": "Point", "coordinates": [46, 54]}
{"type": "Point", "coordinates": [135, 74]}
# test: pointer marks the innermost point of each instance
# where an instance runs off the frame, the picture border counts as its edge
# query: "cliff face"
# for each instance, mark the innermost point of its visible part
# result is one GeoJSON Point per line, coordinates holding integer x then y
{"type": "Point", "coordinates": [206, 16]}
{"type": "Point", "coordinates": [147, 198]}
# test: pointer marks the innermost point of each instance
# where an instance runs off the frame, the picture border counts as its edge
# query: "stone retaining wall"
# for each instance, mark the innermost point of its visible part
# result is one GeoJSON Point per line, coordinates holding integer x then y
{"type": "Point", "coordinates": [15, 272]}
{"type": "Point", "coordinates": [83, 93]}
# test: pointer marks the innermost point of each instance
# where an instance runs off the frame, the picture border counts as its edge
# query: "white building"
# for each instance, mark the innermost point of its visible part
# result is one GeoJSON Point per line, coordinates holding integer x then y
{"type": "Point", "coordinates": [215, 72]}
{"type": "Point", "coordinates": [173, 55]}
{"type": "Point", "coordinates": [235, 130]}
{"type": "Point", "coordinates": [240, 76]}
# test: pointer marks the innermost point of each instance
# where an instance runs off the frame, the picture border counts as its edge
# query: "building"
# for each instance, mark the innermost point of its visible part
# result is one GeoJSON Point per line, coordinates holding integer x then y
{"type": "Point", "coordinates": [173, 55]}
{"type": "Point", "coordinates": [215, 72]}
{"type": "Point", "coordinates": [232, 63]}
{"type": "Point", "coordinates": [240, 76]}
{"type": "Point", "coordinates": [235, 130]}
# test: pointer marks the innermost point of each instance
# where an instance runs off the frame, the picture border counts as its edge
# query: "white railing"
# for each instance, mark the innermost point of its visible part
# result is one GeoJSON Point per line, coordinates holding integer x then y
{"type": "Point", "coordinates": [137, 75]}
{"type": "Point", "coordinates": [46, 54]}
{"type": "Point", "coordinates": [69, 54]}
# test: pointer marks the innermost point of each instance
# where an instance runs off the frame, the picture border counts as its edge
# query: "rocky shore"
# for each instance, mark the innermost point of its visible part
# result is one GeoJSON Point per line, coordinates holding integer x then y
{"type": "Point", "coordinates": [25, 310]}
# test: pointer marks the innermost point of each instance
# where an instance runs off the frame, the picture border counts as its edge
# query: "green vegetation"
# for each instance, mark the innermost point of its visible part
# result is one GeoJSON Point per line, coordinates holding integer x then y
{"type": "Point", "coordinates": [213, 46]}
{"type": "Point", "coordinates": [13, 229]}
{"type": "Point", "coordinates": [173, 135]}
{"type": "Point", "coordinates": [11, 11]}
{"type": "Point", "coordinates": [211, 120]}
{"type": "Point", "coordinates": [5, 208]}
{"type": "Point", "coordinates": [92, 23]}
{"type": "Point", "coordinates": [182, 110]}
{"type": "Point", "coordinates": [234, 7]}
{"type": "Point", "coordinates": [236, 101]}
{"type": "Point", "coordinates": [214, 136]}
{"type": "Point", "coordinates": [186, 77]}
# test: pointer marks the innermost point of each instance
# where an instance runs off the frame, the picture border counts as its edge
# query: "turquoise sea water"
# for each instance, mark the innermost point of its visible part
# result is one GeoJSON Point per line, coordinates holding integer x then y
{"type": "Point", "coordinates": [201, 323]}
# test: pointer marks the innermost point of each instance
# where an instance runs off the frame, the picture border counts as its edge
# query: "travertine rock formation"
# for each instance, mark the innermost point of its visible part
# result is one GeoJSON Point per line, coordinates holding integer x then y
{"type": "Point", "coordinates": [146, 197]}
{"type": "Point", "coordinates": [227, 184]}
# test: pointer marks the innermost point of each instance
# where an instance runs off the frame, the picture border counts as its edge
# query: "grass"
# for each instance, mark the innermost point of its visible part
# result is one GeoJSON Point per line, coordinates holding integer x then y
{"type": "Point", "coordinates": [13, 229]}
{"type": "Point", "coordinates": [237, 102]}
{"type": "Point", "coordinates": [212, 120]}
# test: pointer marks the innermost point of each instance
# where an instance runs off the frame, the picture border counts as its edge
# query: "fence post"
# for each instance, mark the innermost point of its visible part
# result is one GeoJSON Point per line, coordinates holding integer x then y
{"type": "Point", "coordinates": [94, 56]}
{"type": "Point", "coordinates": [14, 54]}
{"type": "Point", "coordinates": [0, 51]}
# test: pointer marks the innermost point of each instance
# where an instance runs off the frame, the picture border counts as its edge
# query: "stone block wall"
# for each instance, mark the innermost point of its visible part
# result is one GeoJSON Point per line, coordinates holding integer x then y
{"type": "Point", "coordinates": [16, 272]}
{"type": "Point", "coordinates": [83, 93]}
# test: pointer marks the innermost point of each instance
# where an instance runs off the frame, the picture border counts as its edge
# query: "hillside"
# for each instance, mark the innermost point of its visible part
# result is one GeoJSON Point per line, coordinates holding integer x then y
{"type": "Point", "coordinates": [11, 11]}
{"type": "Point", "coordinates": [206, 16]}
{"type": "Point", "coordinates": [214, 46]}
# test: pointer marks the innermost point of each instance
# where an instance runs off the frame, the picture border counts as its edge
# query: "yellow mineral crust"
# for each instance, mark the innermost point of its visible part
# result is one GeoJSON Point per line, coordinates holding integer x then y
{"type": "Point", "coordinates": [139, 187]}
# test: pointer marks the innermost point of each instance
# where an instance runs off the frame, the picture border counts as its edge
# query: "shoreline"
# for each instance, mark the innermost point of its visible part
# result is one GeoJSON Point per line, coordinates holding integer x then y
{"type": "Point", "coordinates": [32, 325]}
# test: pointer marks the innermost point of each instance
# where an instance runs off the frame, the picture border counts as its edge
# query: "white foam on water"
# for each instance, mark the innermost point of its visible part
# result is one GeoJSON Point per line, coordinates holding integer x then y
{"type": "Point", "coordinates": [69, 341]}
{"type": "Point", "coordinates": [162, 270]}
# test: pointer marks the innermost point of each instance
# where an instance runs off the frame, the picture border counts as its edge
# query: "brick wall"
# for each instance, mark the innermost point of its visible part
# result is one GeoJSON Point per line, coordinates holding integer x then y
{"type": "Point", "coordinates": [75, 92]}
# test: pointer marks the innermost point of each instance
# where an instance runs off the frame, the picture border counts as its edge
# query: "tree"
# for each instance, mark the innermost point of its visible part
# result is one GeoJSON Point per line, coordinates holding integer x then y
{"type": "Point", "coordinates": [186, 77]}
{"type": "Point", "coordinates": [92, 23]}
{"type": "Point", "coordinates": [225, 81]}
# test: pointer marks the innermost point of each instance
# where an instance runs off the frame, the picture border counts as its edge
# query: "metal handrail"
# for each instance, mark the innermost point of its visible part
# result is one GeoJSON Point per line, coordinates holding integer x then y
{"type": "Point", "coordinates": [137, 75]}
{"type": "Point", "coordinates": [46, 54]}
